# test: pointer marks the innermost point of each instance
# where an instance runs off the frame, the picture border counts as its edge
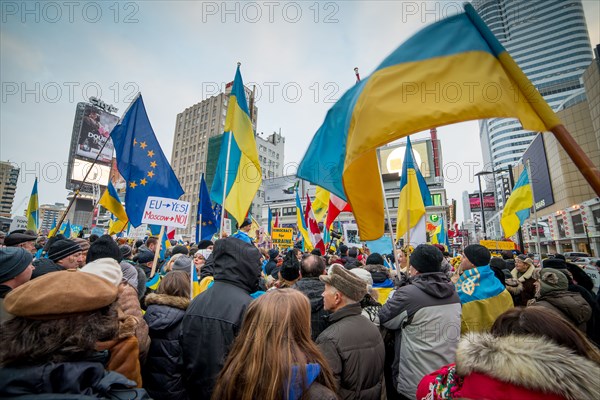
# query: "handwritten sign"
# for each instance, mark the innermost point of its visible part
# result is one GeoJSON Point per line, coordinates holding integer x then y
{"type": "Point", "coordinates": [168, 212]}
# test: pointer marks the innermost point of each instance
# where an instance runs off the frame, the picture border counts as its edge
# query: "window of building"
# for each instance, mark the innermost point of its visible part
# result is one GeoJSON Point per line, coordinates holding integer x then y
{"type": "Point", "coordinates": [436, 199]}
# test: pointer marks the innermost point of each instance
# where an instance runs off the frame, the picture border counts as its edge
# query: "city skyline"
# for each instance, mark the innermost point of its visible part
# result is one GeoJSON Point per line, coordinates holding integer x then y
{"type": "Point", "coordinates": [301, 57]}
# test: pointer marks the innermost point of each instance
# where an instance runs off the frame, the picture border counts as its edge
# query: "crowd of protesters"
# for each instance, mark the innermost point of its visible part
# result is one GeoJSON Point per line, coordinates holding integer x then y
{"type": "Point", "coordinates": [107, 318]}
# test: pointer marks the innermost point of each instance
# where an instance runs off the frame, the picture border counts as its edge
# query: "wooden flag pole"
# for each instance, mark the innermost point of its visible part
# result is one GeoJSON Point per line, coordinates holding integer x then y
{"type": "Point", "coordinates": [157, 251]}
{"type": "Point", "coordinates": [387, 212]}
{"type": "Point", "coordinates": [589, 171]}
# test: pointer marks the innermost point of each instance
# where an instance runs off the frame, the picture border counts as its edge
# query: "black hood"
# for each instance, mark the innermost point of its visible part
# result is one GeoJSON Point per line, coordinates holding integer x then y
{"type": "Point", "coordinates": [436, 284]}
{"type": "Point", "coordinates": [237, 262]}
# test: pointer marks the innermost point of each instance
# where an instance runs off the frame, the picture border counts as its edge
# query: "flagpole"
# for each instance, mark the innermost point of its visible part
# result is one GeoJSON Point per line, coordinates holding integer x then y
{"type": "Point", "coordinates": [78, 190]}
{"type": "Point", "coordinates": [225, 184]}
{"type": "Point", "coordinates": [157, 251]}
{"type": "Point", "coordinates": [537, 233]}
{"type": "Point", "coordinates": [199, 212]}
{"type": "Point", "coordinates": [589, 171]}
{"type": "Point", "coordinates": [387, 210]}
{"type": "Point", "coordinates": [192, 266]}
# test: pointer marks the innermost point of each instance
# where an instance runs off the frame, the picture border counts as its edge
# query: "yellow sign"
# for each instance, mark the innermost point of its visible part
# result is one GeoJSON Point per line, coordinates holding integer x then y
{"type": "Point", "coordinates": [497, 244]}
{"type": "Point", "coordinates": [283, 237]}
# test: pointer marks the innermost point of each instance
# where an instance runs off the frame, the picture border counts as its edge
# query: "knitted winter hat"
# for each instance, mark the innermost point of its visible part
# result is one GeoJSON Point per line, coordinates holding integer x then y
{"type": "Point", "coordinates": [84, 244]}
{"type": "Point", "coordinates": [552, 280]}
{"type": "Point", "coordinates": [289, 271]}
{"type": "Point", "coordinates": [144, 257]}
{"type": "Point", "coordinates": [13, 261]}
{"type": "Point", "coordinates": [182, 263]}
{"type": "Point", "coordinates": [63, 248]}
{"type": "Point", "coordinates": [106, 268]}
{"type": "Point", "coordinates": [104, 247]}
{"type": "Point", "coordinates": [59, 295]}
{"type": "Point", "coordinates": [426, 258]}
{"type": "Point", "coordinates": [179, 249]}
{"type": "Point", "coordinates": [478, 255]}
{"type": "Point", "coordinates": [125, 250]}
{"type": "Point", "coordinates": [375, 259]}
{"type": "Point", "coordinates": [203, 244]}
{"type": "Point", "coordinates": [346, 282]}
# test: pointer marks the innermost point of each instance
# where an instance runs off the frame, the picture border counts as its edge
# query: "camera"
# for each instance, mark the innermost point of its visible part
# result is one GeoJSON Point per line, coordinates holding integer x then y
{"type": "Point", "coordinates": [336, 235]}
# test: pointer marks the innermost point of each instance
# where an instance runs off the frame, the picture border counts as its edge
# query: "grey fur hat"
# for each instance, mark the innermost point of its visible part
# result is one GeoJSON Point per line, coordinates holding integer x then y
{"type": "Point", "coordinates": [346, 282]}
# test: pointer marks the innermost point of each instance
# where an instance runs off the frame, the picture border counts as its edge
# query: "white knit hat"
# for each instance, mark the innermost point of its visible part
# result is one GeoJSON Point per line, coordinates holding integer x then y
{"type": "Point", "coordinates": [106, 268]}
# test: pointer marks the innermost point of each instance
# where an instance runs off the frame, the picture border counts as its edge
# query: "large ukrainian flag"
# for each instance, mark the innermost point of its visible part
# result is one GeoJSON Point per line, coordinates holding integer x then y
{"type": "Point", "coordinates": [243, 171]}
{"type": "Point", "coordinates": [516, 209]}
{"type": "Point", "coordinates": [454, 70]}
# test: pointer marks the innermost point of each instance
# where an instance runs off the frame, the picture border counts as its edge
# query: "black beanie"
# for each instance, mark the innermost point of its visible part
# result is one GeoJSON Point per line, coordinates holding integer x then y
{"type": "Point", "coordinates": [375, 259]}
{"type": "Point", "coordinates": [426, 258]}
{"type": "Point", "coordinates": [104, 247]}
{"type": "Point", "coordinates": [179, 249]}
{"type": "Point", "coordinates": [62, 248]}
{"type": "Point", "coordinates": [478, 255]}
{"type": "Point", "coordinates": [13, 261]}
{"type": "Point", "coordinates": [555, 263]}
{"type": "Point", "coordinates": [289, 272]}
{"type": "Point", "coordinates": [203, 244]}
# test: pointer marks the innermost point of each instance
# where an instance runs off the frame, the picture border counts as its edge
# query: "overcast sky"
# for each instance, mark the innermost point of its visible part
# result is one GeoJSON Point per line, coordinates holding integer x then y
{"type": "Point", "coordinates": [300, 55]}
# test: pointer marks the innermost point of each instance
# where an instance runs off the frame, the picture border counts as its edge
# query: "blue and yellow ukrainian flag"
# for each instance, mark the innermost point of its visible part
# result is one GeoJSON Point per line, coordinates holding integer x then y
{"type": "Point", "coordinates": [243, 172]}
{"type": "Point", "coordinates": [33, 209]}
{"type": "Point", "coordinates": [414, 194]}
{"type": "Point", "coordinates": [453, 70]}
{"type": "Point", "coordinates": [66, 231]}
{"type": "Point", "coordinates": [153, 283]}
{"type": "Point", "coordinates": [308, 246]}
{"type": "Point", "coordinates": [111, 201]}
{"type": "Point", "coordinates": [516, 209]}
{"type": "Point", "coordinates": [270, 221]}
{"type": "Point", "coordinates": [141, 162]}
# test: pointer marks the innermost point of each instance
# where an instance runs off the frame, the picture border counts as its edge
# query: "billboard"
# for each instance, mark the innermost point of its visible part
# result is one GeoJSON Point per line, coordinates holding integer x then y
{"type": "Point", "coordinates": [96, 125]}
{"type": "Point", "coordinates": [540, 175]}
{"type": "Point", "coordinates": [489, 202]}
{"type": "Point", "coordinates": [99, 173]}
{"type": "Point", "coordinates": [392, 158]}
{"type": "Point", "coordinates": [91, 128]}
{"type": "Point", "coordinates": [283, 188]}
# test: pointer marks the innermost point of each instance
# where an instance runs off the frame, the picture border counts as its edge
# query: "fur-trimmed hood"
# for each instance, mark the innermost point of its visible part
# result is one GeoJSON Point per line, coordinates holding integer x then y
{"type": "Point", "coordinates": [164, 299]}
{"type": "Point", "coordinates": [532, 362]}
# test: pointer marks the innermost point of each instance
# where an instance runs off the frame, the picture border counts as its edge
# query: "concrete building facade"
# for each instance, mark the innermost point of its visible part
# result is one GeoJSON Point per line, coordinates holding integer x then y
{"type": "Point", "coordinates": [9, 176]}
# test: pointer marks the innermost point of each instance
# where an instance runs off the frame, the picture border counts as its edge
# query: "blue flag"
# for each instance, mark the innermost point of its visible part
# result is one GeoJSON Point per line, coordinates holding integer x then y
{"type": "Point", "coordinates": [217, 211]}
{"type": "Point", "coordinates": [206, 224]}
{"type": "Point", "coordinates": [141, 162]}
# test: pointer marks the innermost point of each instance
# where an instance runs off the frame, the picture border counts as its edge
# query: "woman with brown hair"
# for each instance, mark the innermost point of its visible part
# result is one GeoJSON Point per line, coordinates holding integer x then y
{"type": "Point", "coordinates": [166, 308]}
{"type": "Point", "coordinates": [531, 353]}
{"type": "Point", "coordinates": [274, 356]}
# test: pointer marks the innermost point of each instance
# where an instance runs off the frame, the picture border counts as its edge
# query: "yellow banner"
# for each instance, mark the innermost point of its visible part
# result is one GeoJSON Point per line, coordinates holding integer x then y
{"type": "Point", "coordinates": [497, 244]}
{"type": "Point", "coordinates": [283, 237]}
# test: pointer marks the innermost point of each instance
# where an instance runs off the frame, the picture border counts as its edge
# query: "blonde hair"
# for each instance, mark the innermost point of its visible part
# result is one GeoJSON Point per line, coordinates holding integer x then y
{"type": "Point", "coordinates": [275, 336]}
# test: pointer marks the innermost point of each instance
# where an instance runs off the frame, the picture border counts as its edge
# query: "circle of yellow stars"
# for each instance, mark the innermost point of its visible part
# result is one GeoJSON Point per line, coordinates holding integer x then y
{"type": "Point", "coordinates": [150, 173]}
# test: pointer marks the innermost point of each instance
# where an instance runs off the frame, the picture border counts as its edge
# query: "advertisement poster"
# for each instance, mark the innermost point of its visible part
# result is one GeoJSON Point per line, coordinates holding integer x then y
{"type": "Point", "coordinates": [95, 130]}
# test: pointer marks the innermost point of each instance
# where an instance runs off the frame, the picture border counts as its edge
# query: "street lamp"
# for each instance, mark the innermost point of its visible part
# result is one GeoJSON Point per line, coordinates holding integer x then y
{"type": "Point", "coordinates": [478, 175]}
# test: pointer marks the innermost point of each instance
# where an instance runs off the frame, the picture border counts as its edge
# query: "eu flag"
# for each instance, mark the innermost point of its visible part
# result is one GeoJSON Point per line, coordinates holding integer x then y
{"type": "Point", "coordinates": [141, 162]}
{"type": "Point", "coordinates": [206, 224]}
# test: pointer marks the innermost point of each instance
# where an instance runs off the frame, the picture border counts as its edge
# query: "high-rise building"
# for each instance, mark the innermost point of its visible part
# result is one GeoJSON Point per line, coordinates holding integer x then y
{"type": "Point", "coordinates": [9, 176]}
{"type": "Point", "coordinates": [549, 40]}
{"type": "Point", "coordinates": [49, 214]}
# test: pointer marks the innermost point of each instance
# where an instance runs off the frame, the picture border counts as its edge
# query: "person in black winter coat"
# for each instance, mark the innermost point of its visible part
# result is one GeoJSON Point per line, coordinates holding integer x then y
{"type": "Point", "coordinates": [166, 307]}
{"type": "Point", "coordinates": [312, 267]}
{"type": "Point", "coordinates": [272, 263]}
{"type": "Point", "coordinates": [214, 317]}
